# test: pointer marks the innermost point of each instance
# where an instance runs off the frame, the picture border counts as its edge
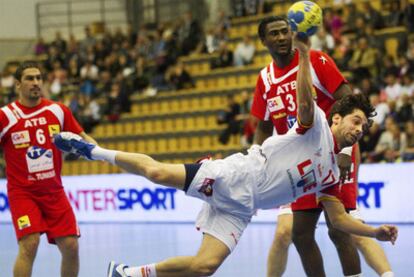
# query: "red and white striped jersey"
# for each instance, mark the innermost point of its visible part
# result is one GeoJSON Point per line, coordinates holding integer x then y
{"type": "Point", "coordinates": [32, 160]}
{"type": "Point", "coordinates": [275, 94]}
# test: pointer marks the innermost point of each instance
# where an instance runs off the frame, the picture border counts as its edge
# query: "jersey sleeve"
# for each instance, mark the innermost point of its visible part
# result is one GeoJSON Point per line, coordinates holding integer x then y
{"type": "Point", "coordinates": [259, 105]}
{"type": "Point", "coordinates": [70, 123]}
{"type": "Point", "coordinates": [328, 73]}
{"type": "Point", "coordinates": [318, 118]}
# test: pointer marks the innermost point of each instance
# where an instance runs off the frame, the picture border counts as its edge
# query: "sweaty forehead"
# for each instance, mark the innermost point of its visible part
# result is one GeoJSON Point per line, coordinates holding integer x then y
{"type": "Point", "coordinates": [276, 25]}
{"type": "Point", "coordinates": [31, 71]}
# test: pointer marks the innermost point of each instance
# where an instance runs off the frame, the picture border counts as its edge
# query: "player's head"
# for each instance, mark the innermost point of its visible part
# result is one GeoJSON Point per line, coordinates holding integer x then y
{"type": "Point", "coordinates": [276, 35]}
{"type": "Point", "coordinates": [350, 118]}
{"type": "Point", "coordinates": [29, 80]}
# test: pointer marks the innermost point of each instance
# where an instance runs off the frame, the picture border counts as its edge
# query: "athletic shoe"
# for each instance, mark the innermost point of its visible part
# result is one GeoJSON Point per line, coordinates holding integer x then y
{"type": "Point", "coordinates": [116, 270]}
{"type": "Point", "coordinates": [73, 143]}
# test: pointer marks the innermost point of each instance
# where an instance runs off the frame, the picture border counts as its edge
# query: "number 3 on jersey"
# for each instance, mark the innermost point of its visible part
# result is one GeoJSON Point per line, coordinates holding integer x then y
{"type": "Point", "coordinates": [291, 105]}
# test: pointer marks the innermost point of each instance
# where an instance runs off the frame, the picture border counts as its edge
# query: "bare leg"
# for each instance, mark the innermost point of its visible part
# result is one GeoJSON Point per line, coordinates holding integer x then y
{"type": "Point", "coordinates": [69, 248]}
{"type": "Point", "coordinates": [373, 253]}
{"type": "Point", "coordinates": [27, 253]}
{"type": "Point", "coordinates": [303, 236]}
{"type": "Point", "coordinates": [209, 257]}
{"type": "Point", "coordinates": [347, 252]}
{"type": "Point", "coordinates": [171, 175]}
{"type": "Point", "coordinates": [278, 254]}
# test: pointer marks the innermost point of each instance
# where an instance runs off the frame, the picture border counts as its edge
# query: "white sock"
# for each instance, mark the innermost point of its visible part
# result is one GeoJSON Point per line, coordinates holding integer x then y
{"type": "Point", "coordinates": [99, 153]}
{"type": "Point", "coordinates": [355, 275]}
{"type": "Point", "coordinates": [387, 274]}
{"type": "Point", "coordinates": [142, 271]}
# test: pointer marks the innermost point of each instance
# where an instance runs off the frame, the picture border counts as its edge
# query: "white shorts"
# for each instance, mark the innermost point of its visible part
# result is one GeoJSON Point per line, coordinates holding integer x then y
{"type": "Point", "coordinates": [228, 185]}
{"type": "Point", "coordinates": [285, 210]}
{"type": "Point", "coordinates": [221, 225]}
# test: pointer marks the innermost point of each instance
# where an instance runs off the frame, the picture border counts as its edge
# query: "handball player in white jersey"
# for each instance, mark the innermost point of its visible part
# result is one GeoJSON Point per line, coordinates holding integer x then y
{"type": "Point", "coordinates": [235, 187]}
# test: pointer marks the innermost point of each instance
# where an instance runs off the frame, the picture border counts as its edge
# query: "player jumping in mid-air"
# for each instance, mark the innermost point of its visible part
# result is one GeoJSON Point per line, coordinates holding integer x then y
{"type": "Point", "coordinates": [235, 187]}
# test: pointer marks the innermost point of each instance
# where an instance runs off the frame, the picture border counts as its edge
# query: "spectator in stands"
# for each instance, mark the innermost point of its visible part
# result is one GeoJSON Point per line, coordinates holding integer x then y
{"type": "Point", "coordinates": [59, 79]}
{"type": "Point", "coordinates": [179, 78]}
{"type": "Point", "coordinates": [388, 67]}
{"type": "Point", "coordinates": [391, 144]}
{"type": "Point", "coordinates": [189, 34]}
{"type": "Point", "coordinates": [59, 42]}
{"type": "Point", "coordinates": [88, 41]}
{"type": "Point", "coordinates": [52, 56]}
{"type": "Point", "coordinates": [74, 71]}
{"type": "Point", "coordinates": [369, 140]}
{"type": "Point", "coordinates": [395, 15]}
{"type": "Point", "coordinates": [229, 117]}
{"type": "Point", "coordinates": [372, 16]}
{"type": "Point", "coordinates": [89, 71]}
{"type": "Point", "coordinates": [363, 61]}
{"type": "Point", "coordinates": [247, 122]}
{"type": "Point", "coordinates": [323, 41]}
{"type": "Point", "coordinates": [91, 114]}
{"type": "Point", "coordinates": [225, 57]}
{"type": "Point", "coordinates": [406, 66]}
{"type": "Point", "coordinates": [223, 21]}
{"type": "Point", "coordinates": [244, 53]}
{"type": "Point", "coordinates": [212, 41]}
{"type": "Point", "coordinates": [343, 53]}
{"type": "Point", "coordinates": [141, 75]}
{"type": "Point", "coordinates": [381, 108]}
{"type": "Point", "coordinates": [393, 89]}
{"type": "Point", "coordinates": [408, 153]}
{"type": "Point", "coordinates": [404, 110]}
{"type": "Point", "coordinates": [368, 87]}
{"type": "Point", "coordinates": [407, 85]}
{"type": "Point", "coordinates": [407, 7]}
{"type": "Point", "coordinates": [40, 47]}
{"type": "Point", "coordinates": [113, 108]}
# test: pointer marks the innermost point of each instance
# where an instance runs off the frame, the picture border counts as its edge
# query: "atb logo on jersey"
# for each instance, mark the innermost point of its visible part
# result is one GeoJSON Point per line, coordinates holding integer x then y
{"type": "Point", "coordinates": [207, 187]}
{"type": "Point", "coordinates": [307, 173]}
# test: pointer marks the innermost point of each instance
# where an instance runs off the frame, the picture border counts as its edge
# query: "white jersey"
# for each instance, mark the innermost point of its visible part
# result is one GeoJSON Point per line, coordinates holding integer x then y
{"type": "Point", "coordinates": [301, 162]}
{"type": "Point", "coordinates": [283, 169]}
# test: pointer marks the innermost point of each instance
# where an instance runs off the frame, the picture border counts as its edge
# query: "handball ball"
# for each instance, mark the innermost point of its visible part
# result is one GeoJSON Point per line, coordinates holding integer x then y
{"type": "Point", "coordinates": [304, 18]}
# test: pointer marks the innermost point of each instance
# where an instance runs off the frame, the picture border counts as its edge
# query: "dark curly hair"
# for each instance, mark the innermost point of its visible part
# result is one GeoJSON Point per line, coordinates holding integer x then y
{"type": "Point", "coordinates": [23, 66]}
{"type": "Point", "coordinates": [347, 104]}
{"type": "Point", "coordinates": [263, 23]}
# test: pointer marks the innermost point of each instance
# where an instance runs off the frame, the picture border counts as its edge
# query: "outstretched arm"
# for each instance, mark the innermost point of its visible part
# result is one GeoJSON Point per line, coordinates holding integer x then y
{"type": "Point", "coordinates": [341, 220]}
{"type": "Point", "coordinates": [304, 87]}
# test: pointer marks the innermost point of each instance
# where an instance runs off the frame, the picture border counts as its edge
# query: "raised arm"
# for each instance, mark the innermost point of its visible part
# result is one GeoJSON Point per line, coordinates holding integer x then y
{"type": "Point", "coordinates": [304, 88]}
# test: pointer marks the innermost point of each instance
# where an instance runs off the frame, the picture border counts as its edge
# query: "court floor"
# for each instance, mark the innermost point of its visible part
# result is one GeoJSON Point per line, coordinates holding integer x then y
{"type": "Point", "coordinates": [145, 243]}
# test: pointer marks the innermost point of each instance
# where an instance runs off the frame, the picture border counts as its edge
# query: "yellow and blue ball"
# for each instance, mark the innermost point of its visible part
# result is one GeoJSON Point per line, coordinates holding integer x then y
{"type": "Point", "coordinates": [304, 18]}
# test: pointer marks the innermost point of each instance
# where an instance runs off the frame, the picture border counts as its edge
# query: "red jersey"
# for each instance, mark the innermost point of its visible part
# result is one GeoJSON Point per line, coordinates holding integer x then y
{"type": "Point", "coordinates": [275, 100]}
{"type": "Point", "coordinates": [275, 95]}
{"type": "Point", "coordinates": [32, 161]}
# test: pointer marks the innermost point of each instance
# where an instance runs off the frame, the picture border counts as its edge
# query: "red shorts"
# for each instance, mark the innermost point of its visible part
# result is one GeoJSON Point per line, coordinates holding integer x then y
{"type": "Point", "coordinates": [48, 213]}
{"type": "Point", "coordinates": [348, 193]}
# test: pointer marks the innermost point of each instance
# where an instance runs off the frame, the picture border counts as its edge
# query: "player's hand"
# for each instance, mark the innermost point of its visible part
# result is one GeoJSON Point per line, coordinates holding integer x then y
{"type": "Point", "coordinates": [344, 164]}
{"type": "Point", "coordinates": [386, 233]}
{"type": "Point", "coordinates": [301, 43]}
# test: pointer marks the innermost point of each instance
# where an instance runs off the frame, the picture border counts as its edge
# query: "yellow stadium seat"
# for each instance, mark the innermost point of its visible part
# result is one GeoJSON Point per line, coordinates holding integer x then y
{"type": "Point", "coordinates": [172, 144]}
{"type": "Point", "coordinates": [189, 123]}
{"type": "Point", "coordinates": [168, 124]}
{"type": "Point", "coordinates": [150, 146]}
{"type": "Point", "coordinates": [141, 146]}
{"type": "Point", "coordinates": [179, 124]}
{"type": "Point", "coordinates": [162, 145]}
